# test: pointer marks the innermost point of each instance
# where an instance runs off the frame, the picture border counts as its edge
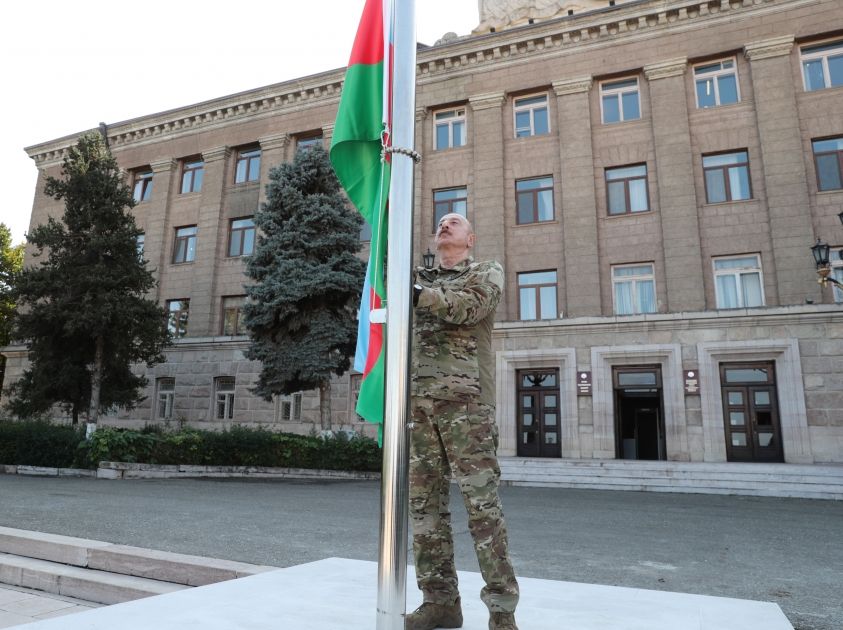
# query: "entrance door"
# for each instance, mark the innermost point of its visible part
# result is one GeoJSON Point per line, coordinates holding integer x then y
{"type": "Point", "coordinates": [750, 412]}
{"type": "Point", "coordinates": [639, 421]}
{"type": "Point", "coordinates": [538, 413]}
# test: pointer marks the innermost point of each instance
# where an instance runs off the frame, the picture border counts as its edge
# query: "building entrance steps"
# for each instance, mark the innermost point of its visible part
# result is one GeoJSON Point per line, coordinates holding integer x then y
{"type": "Point", "coordinates": [807, 481]}
{"type": "Point", "coordinates": [338, 594]}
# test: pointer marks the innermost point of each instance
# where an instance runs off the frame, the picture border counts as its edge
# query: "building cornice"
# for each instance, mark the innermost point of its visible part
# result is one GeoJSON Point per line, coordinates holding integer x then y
{"type": "Point", "coordinates": [550, 39]}
{"type": "Point", "coordinates": [486, 101]}
{"type": "Point", "coordinates": [664, 69]}
{"type": "Point", "coordinates": [275, 141]}
{"type": "Point", "coordinates": [572, 86]}
{"type": "Point", "coordinates": [162, 166]}
{"type": "Point", "coordinates": [775, 47]}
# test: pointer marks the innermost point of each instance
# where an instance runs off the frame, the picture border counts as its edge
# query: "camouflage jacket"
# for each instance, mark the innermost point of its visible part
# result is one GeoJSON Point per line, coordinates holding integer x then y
{"type": "Point", "coordinates": [452, 340]}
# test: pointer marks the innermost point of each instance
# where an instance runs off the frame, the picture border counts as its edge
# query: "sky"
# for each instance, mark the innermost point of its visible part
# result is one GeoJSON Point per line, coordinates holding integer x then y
{"type": "Point", "coordinates": [67, 65]}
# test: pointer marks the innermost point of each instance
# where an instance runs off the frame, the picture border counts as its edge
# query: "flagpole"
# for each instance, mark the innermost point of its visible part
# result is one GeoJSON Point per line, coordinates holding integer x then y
{"type": "Point", "coordinates": [392, 561]}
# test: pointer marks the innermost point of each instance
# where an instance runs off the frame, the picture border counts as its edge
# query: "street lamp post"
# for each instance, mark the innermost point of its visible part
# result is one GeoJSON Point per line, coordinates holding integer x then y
{"type": "Point", "coordinates": [428, 257]}
{"type": "Point", "coordinates": [821, 252]}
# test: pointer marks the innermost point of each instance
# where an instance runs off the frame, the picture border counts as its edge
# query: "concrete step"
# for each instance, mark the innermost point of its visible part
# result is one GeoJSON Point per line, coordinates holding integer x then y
{"type": "Point", "coordinates": [105, 573]}
{"type": "Point", "coordinates": [782, 480]}
{"type": "Point", "coordinates": [90, 585]}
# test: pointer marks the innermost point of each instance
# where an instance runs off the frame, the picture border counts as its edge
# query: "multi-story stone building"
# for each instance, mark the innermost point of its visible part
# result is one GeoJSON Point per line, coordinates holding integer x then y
{"type": "Point", "coordinates": [651, 175]}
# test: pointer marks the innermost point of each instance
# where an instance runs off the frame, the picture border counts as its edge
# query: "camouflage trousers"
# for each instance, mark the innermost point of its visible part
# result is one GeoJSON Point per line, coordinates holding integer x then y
{"type": "Point", "coordinates": [448, 436]}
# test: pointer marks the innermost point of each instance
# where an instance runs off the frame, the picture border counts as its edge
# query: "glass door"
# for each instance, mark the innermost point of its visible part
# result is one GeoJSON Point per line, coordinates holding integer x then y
{"type": "Point", "coordinates": [538, 413]}
{"type": "Point", "coordinates": [750, 412]}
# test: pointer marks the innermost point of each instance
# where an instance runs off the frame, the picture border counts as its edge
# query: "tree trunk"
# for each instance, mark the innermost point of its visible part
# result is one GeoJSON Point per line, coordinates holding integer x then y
{"type": "Point", "coordinates": [325, 405]}
{"type": "Point", "coordinates": [96, 386]}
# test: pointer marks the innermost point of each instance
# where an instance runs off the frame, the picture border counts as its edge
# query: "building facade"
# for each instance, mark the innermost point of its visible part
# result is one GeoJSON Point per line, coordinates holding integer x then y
{"type": "Point", "coordinates": [651, 175]}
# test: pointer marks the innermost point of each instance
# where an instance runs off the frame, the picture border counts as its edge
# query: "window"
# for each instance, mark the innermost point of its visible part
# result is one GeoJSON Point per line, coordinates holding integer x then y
{"type": "Point", "coordinates": [140, 239]}
{"type": "Point", "coordinates": [531, 116]}
{"type": "Point", "coordinates": [355, 381]}
{"type": "Point", "coordinates": [828, 159]}
{"type": "Point", "coordinates": [619, 101]}
{"type": "Point", "coordinates": [822, 66]}
{"type": "Point", "coordinates": [307, 143]}
{"type": "Point", "coordinates": [450, 128]}
{"type": "Point", "coordinates": [634, 289]}
{"type": "Point", "coordinates": [232, 315]}
{"type": "Point", "coordinates": [717, 84]}
{"type": "Point", "coordinates": [448, 201]}
{"type": "Point", "coordinates": [248, 167]}
{"type": "Point", "coordinates": [727, 177]}
{"type": "Point", "coordinates": [184, 247]}
{"type": "Point", "coordinates": [241, 237]}
{"type": "Point", "coordinates": [626, 189]}
{"type": "Point", "coordinates": [224, 395]}
{"type": "Point", "coordinates": [288, 407]}
{"type": "Point", "coordinates": [537, 295]}
{"type": "Point", "coordinates": [534, 200]}
{"type": "Point", "coordinates": [165, 389]}
{"type": "Point", "coordinates": [143, 186]}
{"type": "Point", "coordinates": [177, 312]}
{"type": "Point", "coordinates": [738, 282]}
{"type": "Point", "coordinates": [191, 176]}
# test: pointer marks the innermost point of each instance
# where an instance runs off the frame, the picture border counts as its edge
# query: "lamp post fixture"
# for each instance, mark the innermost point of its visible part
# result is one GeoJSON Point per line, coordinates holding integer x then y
{"type": "Point", "coordinates": [821, 251]}
{"type": "Point", "coordinates": [428, 257]}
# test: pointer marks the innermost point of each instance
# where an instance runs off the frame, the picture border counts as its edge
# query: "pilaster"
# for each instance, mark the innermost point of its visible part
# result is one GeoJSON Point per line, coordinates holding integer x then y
{"type": "Point", "coordinates": [273, 152]}
{"type": "Point", "coordinates": [154, 215]}
{"type": "Point", "coordinates": [424, 146]}
{"type": "Point", "coordinates": [579, 204]}
{"type": "Point", "coordinates": [486, 133]}
{"type": "Point", "coordinates": [677, 196]}
{"type": "Point", "coordinates": [785, 179]}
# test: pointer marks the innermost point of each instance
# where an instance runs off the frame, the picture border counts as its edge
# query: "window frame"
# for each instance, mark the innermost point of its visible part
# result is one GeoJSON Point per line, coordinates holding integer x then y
{"type": "Point", "coordinates": [535, 192]}
{"type": "Point", "coordinates": [238, 309]}
{"type": "Point", "coordinates": [292, 402]}
{"type": "Point", "coordinates": [168, 399]}
{"type": "Point", "coordinates": [516, 109]}
{"type": "Point", "coordinates": [715, 75]}
{"type": "Point", "coordinates": [177, 239]}
{"type": "Point", "coordinates": [450, 203]}
{"type": "Point", "coordinates": [838, 153]}
{"type": "Point", "coordinates": [636, 307]}
{"type": "Point", "coordinates": [837, 274]}
{"type": "Point", "coordinates": [244, 157]}
{"type": "Point", "coordinates": [142, 178]}
{"type": "Point", "coordinates": [232, 229]}
{"type": "Point", "coordinates": [619, 92]}
{"type": "Point", "coordinates": [823, 56]}
{"type": "Point", "coordinates": [738, 271]}
{"type": "Point", "coordinates": [626, 189]}
{"type": "Point", "coordinates": [459, 117]}
{"type": "Point", "coordinates": [189, 167]}
{"type": "Point", "coordinates": [224, 396]}
{"type": "Point", "coordinates": [725, 168]}
{"type": "Point", "coordinates": [355, 381]}
{"type": "Point", "coordinates": [306, 142]}
{"type": "Point", "coordinates": [537, 295]}
{"type": "Point", "coordinates": [174, 323]}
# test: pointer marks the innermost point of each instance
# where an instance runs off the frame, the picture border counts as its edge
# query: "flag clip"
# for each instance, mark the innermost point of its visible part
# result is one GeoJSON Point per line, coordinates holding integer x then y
{"type": "Point", "coordinates": [377, 316]}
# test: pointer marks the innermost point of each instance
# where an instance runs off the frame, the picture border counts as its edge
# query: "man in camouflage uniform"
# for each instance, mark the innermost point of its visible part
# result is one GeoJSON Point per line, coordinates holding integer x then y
{"type": "Point", "coordinates": [453, 431]}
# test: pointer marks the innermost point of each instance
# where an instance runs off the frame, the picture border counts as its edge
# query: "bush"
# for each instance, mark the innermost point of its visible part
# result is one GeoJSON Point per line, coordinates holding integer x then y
{"type": "Point", "coordinates": [43, 444]}
{"type": "Point", "coordinates": [40, 443]}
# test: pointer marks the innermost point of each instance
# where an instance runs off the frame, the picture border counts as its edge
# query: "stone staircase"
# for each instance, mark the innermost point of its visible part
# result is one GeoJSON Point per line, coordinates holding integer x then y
{"type": "Point", "coordinates": [103, 572]}
{"type": "Point", "coordinates": [809, 481]}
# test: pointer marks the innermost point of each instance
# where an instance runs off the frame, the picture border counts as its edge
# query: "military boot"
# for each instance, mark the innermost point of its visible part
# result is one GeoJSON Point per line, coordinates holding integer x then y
{"type": "Point", "coordinates": [502, 621]}
{"type": "Point", "coordinates": [429, 616]}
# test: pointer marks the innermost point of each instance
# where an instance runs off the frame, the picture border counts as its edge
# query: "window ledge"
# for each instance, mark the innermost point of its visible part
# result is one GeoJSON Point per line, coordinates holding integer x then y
{"type": "Point", "coordinates": [630, 214]}
{"type": "Point", "coordinates": [833, 191]}
{"type": "Point", "coordinates": [535, 224]}
{"type": "Point", "coordinates": [180, 264]}
{"type": "Point", "coordinates": [730, 203]}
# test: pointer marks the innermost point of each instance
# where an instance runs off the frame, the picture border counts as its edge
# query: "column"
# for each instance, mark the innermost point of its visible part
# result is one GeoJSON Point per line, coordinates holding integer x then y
{"type": "Point", "coordinates": [327, 136]}
{"type": "Point", "coordinates": [273, 153]}
{"type": "Point", "coordinates": [210, 227]}
{"type": "Point", "coordinates": [155, 213]}
{"type": "Point", "coordinates": [579, 204]}
{"type": "Point", "coordinates": [677, 194]}
{"type": "Point", "coordinates": [487, 189]}
{"type": "Point", "coordinates": [785, 178]}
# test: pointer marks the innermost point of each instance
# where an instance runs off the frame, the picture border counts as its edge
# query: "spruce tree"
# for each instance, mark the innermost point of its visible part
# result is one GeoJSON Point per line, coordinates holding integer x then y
{"type": "Point", "coordinates": [302, 308]}
{"type": "Point", "coordinates": [84, 312]}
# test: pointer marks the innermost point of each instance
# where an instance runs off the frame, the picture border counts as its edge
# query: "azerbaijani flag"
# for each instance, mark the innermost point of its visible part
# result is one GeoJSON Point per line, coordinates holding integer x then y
{"type": "Point", "coordinates": [361, 132]}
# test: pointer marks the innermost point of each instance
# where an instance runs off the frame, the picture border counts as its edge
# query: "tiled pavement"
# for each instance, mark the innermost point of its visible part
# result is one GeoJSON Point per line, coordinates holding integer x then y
{"type": "Point", "coordinates": [20, 605]}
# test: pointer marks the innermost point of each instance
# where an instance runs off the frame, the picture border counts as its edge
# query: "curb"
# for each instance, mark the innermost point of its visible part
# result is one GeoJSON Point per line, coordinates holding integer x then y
{"type": "Point", "coordinates": [128, 470]}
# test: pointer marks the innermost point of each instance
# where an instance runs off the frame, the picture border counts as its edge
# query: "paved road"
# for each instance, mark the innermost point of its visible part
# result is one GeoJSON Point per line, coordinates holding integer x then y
{"type": "Point", "coordinates": [789, 551]}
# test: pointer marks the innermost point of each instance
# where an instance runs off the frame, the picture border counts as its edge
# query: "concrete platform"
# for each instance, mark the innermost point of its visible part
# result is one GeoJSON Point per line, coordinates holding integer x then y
{"type": "Point", "coordinates": [337, 594]}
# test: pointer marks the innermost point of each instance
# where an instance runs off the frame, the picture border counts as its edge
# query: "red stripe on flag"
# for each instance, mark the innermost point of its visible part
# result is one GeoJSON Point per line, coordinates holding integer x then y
{"type": "Point", "coordinates": [375, 338]}
{"type": "Point", "coordinates": [368, 45]}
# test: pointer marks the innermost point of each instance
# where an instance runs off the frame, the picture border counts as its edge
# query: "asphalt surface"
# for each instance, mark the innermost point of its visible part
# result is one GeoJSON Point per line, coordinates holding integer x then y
{"type": "Point", "coordinates": [788, 551]}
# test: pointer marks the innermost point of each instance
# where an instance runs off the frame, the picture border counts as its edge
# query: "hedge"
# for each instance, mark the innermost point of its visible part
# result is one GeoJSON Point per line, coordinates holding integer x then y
{"type": "Point", "coordinates": [45, 444]}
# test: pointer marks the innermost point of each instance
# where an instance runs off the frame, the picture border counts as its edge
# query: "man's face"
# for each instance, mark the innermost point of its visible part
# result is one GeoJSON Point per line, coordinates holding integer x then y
{"type": "Point", "coordinates": [454, 231]}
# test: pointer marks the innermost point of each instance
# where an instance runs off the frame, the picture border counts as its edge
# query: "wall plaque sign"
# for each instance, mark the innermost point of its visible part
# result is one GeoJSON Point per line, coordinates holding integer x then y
{"type": "Point", "coordinates": [692, 382]}
{"type": "Point", "coordinates": [583, 383]}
